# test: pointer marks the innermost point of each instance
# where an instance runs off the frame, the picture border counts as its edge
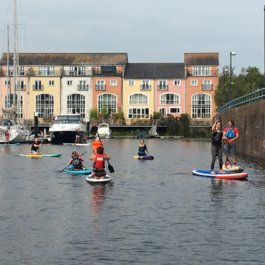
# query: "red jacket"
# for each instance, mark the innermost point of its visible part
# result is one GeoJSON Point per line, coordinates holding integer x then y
{"type": "Point", "coordinates": [99, 161]}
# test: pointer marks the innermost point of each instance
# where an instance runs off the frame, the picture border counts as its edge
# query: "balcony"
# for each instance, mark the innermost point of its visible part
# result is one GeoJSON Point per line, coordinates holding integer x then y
{"type": "Point", "coordinates": [100, 87]}
{"type": "Point", "coordinates": [107, 74]}
{"type": "Point", "coordinates": [145, 87]}
{"type": "Point", "coordinates": [162, 87]}
{"type": "Point", "coordinates": [82, 87]}
{"type": "Point", "coordinates": [207, 87]}
{"type": "Point", "coordinates": [33, 72]}
{"type": "Point", "coordinates": [21, 87]}
{"type": "Point", "coordinates": [38, 87]}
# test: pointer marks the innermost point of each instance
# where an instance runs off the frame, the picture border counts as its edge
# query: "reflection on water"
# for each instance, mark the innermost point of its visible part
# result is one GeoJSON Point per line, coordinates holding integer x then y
{"type": "Point", "coordinates": [155, 212]}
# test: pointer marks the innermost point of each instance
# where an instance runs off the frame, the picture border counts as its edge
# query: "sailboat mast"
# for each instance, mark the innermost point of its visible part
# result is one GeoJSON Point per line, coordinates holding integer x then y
{"type": "Point", "coordinates": [15, 61]}
{"type": "Point", "coordinates": [8, 69]}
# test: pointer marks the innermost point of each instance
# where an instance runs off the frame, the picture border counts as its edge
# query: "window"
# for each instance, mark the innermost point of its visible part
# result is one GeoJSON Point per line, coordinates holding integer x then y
{"type": "Point", "coordinates": [107, 102]}
{"type": "Point", "coordinates": [77, 70]}
{"type": "Point", "coordinates": [7, 82]}
{"type": "Point", "coordinates": [177, 82]}
{"type": "Point", "coordinates": [76, 104]}
{"type": "Point", "coordinates": [145, 85]}
{"type": "Point", "coordinates": [21, 71]}
{"type": "Point", "coordinates": [194, 82]}
{"type": "Point", "coordinates": [37, 85]}
{"type": "Point", "coordinates": [207, 85]}
{"type": "Point", "coordinates": [11, 100]}
{"type": "Point", "coordinates": [51, 82]}
{"type": "Point", "coordinates": [100, 85]}
{"type": "Point", "coordinates": [138, 99]}
{"type": "Point", "coordinates": [45, 105]}
{"type": "Point", "coordinates": [162, 85]}
{"type": "Point", "coordinates": [163, 112]}
{"type": "Point", "coordinates": [174, 110]}
{"type": "Point", "coordinates": [46, 70]}
{"type": "Point", "coordinates": [113, 82]}
{"type": "Point", "coordinates": [201, 106]}
{"type": "Point", "coordinates": [83, 86]}
{"type": "Point", "coordinates": [21, 85]}
{"type": "Point", "coordinates": [201, 70]}
{"type": "Point", "coordinates": [69, 82]}
{"type": "Point", "coordinates": [169, 99]}
{"type": "Point", "coordinates": [131, 82]}
{"type": "Point", "coordinates": [138, 113]}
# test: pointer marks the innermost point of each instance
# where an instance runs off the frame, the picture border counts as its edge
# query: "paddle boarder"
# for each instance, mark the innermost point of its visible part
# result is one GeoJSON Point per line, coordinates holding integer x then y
{"type": "Point", "coordinates": [35, 146]}
{"type": "Point", "coordinates": [216, 147]}
{"type": "Point", "coordinates": [142, 148]}
{"type": "Point", "coordinates": [99, 158]}
{"type": "Point", "coordinates": [76, 161]}
{"type": "Point", "coordinates": [230, 136]}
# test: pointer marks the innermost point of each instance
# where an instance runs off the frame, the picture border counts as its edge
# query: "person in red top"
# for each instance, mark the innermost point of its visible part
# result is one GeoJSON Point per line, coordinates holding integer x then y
{"type": "Point", "coordinates": [230, 136]}
{"type": "Point", "coordinates": [7, 136]}
{"type": "Point", "coordinates": [99, 158]}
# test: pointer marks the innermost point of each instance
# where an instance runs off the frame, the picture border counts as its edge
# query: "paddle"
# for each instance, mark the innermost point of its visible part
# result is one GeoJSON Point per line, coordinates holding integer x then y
{"type": "Point", "coordinates": [110, 167]}
{"type": "Point", "coordinates": [69, 164]}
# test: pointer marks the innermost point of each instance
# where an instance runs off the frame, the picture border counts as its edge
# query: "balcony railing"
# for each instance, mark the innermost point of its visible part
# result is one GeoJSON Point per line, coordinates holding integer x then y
{"type": "Point", "coordinates": [100, 87]}
{"type": "Point", "coordinates": [162, 87]}
{"type": "Point", "coordinates": [38, 87]}
{"type": "Point", "coordinates": [82, 87]}
{"type": "Point", "coordinates": [207, 87]}
{"type": "Point", "coordinates": [21, 87]}
{"type": "Point", "coordinates": [145, 87]}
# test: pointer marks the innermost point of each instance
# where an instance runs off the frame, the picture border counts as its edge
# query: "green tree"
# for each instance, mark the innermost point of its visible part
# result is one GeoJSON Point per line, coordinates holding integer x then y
{"type": "Point", "coordinates": [93, 114]}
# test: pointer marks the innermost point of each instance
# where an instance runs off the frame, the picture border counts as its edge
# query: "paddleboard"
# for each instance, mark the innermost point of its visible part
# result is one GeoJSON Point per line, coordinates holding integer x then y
{"type": "Point", "coordinates": [232, 168]}
{"type": "Point", "coordinates": [10, 144]}
{"type": "Point", "coordinates": [93, 180]}
{"type": "Point", "coordinates": [73, 144]}
{"type": "Point", "coordinates": [220, 175]}
{"type": "Point", "coordinates": [40, 155]}
{"type": "Point", "coordinates": [149, 157]}
{"type": "Point", "coordinates": [78, 172]}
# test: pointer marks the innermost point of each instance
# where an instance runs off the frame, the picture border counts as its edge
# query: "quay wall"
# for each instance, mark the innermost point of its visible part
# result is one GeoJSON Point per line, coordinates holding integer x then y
{"type": "Point", "coordinates": [250, 121]}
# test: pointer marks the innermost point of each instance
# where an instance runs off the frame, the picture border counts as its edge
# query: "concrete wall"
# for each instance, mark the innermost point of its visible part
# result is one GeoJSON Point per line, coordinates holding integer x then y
{"type": "Point", "coordinates": [250, 120]}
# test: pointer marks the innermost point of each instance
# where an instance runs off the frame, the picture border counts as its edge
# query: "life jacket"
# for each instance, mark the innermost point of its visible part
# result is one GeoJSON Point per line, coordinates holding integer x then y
{"type": "Point", "coordinates": [96, 144]}
{"type": "Point", "coordinates": [76, 161]}
{"type": "Point", "coordinates": [230, 133]}
{"type": "Point", "coordinates": [34, 148]}
{"type": "Point", "coordinates": [99, 161]}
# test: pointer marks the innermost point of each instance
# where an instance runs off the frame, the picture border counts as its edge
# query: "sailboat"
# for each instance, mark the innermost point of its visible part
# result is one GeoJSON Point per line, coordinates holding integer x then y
{"type": "Point", "coordinates": [16, 131]}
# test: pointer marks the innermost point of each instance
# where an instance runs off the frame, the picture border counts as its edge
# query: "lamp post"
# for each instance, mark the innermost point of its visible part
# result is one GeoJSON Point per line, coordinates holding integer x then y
{"type": "Point", "coordinates": [231, 75]}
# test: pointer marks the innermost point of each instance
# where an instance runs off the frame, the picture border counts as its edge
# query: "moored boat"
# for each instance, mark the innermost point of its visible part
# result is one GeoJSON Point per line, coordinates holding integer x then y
{"type": "Point", "coordinates": [104, 130]}
{"type": "Point", "coordinates": [64, 129]}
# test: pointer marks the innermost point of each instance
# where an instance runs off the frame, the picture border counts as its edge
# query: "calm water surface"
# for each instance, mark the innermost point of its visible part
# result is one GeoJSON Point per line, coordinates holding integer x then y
{"type": "Point", "coordinates": [154, 212]}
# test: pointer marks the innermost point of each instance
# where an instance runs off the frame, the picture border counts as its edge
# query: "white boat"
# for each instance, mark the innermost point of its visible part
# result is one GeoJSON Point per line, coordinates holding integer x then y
{"type": "Point", "coordinates": [64, 129]}
{"type": "Point", "coordinates": [104, 130]}
{"type": "Point", "coordinates": [18, 134]}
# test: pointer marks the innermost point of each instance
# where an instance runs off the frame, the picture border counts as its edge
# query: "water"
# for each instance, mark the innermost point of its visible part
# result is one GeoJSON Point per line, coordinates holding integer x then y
{"type": "Point", "coordinates": [154, 212]}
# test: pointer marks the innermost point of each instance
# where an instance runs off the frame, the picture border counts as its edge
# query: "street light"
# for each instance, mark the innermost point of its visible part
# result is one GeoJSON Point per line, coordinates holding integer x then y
{"type": "Point", "coordinates": [231, 75]}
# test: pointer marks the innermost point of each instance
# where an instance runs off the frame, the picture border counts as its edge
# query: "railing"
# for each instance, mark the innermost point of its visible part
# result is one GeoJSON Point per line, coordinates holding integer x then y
{"type": "Point", "coordinates": [38, 87]}
{"type": "Point", "coordinates": [100, 87]}
{"type": "Point", "coordinates": [82, 87]}
{"type": "Point", "coordinates": [259, 94]}
{"type": "Point", "coordinates": [207, 87]}
{"type": "Point", "coordinates": [162, 87]}
{"type": "Point", "coordinates": [21, 88]}
{"type": "Point", "coordinates": [145, 87]}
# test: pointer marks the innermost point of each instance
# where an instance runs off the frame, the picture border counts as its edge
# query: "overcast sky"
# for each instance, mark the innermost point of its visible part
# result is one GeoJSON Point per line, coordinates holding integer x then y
{"type": "Point", "coordinates": [148, 30]}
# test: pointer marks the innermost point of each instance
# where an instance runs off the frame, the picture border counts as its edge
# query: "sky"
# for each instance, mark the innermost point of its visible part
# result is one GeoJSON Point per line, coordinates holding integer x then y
{"type": "Point", "coordinates": [148, 30]}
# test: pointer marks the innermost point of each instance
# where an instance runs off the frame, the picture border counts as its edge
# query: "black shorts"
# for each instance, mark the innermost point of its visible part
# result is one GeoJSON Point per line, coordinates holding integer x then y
{"type": "Point", "coordinates": [99, 172]}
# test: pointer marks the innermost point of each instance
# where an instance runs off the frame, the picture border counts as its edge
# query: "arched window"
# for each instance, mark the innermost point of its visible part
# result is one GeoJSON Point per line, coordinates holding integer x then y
{"type": "Point", "coordinates": [45, 105]}
{"type": "Point", "coordinates": [13, 99]}
{"type": "Point", "coordinates": [169, 99]}
{"type": "Point", "coordinates": [107, 102]}
{"type": "Point", "coordinates": [138, 99]}
{"type": "Point", "coordinates": [76, 104]}
{"type": "Point", "coordinates": [201, 106]}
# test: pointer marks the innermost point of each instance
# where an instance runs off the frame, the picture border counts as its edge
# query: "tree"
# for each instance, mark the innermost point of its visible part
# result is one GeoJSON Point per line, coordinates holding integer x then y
{"type": "Point", "coordinates": [93, 114]}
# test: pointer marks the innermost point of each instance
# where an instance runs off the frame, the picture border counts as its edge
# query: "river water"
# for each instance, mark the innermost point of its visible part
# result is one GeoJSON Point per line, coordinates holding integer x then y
{"type": "Point", "coordinates": [154, 212]}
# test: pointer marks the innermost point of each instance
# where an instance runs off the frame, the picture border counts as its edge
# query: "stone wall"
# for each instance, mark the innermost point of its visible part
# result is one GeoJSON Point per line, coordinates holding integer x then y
{"type": "Point", "coordinates": [250, 121]}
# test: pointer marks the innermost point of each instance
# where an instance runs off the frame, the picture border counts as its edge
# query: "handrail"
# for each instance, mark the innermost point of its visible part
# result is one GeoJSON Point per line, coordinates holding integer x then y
{"type": "Point", "coordinates": [259, 94]}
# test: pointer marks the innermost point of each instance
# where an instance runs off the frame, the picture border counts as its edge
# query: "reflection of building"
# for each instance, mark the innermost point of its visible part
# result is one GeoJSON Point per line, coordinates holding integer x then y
{"type": "Point", "coordinates": [201, 83]}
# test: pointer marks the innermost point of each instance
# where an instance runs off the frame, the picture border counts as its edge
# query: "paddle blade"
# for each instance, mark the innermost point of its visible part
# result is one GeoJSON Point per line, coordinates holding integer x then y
{"type": "Point", "coordinates": [110, 168]}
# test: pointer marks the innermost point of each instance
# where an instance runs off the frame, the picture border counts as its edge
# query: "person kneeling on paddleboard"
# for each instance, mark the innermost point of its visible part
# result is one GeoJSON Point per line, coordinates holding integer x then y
{"type": "Point", "coordinates": [142, 148]}
{"type": "Point", "coordinates": [99, 158]}
{"type": "Point", "coordinates": [35, 147]}
{"type": "Point", "coordinates": [76, 161]}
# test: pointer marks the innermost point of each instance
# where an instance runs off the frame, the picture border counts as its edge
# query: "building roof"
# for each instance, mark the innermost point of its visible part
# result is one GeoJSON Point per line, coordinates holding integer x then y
{"type": "Point", "coordinates": [68, 58]}
{"type": "Point", "coordinates": [210, 58]}
{"type": "Point", "coordinates": [154, 71]}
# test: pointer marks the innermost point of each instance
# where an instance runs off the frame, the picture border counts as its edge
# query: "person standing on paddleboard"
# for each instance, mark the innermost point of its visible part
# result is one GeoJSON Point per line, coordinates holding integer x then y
{"type": "Point", "coordinates": [216, 148]}
{"type": "Point", "coordinates": [99, 158]}
{"type": "Point", "coordinates": [35, 146]}
{"type": "Point", "coordinates": [230, 137]}
{"type": "Point", "coordinates": [142, 148]}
